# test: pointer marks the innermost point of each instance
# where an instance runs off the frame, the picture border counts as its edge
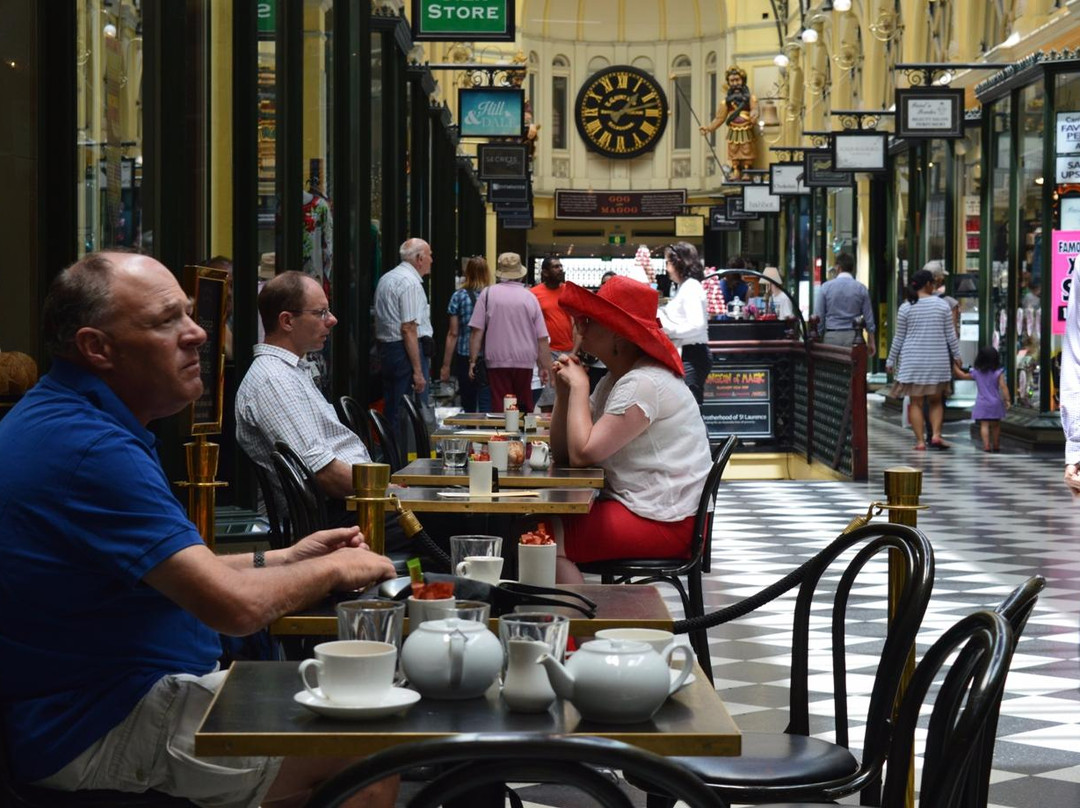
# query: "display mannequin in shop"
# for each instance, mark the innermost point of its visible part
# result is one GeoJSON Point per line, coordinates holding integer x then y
{"type": "Point", "coordinates": [115, 675]}
{"type": "Point", "coordinates": [740, 114]}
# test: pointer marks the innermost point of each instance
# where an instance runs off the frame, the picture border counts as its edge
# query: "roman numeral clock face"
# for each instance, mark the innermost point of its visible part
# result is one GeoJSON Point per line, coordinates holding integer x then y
{"type": "Point", "coordinates": [621, 112]}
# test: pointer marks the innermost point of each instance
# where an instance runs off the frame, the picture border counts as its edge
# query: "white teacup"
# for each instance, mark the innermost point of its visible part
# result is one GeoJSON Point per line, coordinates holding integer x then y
{"type": "Point", "coordinates": [536, 564]}
{"type": "Point", "coordinates": [500, 453]}
{"type": "Point", "coordinates": [655, 637]}
{"type": "Point", "coordinates": [481, 568]}
{"type": "Point", "coordinates": [352, 672]}
{"type": "Point", "coordinates": [513, 420]}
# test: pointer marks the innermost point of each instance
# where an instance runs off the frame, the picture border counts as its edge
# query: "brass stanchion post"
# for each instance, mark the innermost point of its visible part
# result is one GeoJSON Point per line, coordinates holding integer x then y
{"type": "Point", "coordinates": [370, 481]}
{"type": "Point", "coordinates": [202, 465]}
{"type": "Point", "coordinates": [903, 487]}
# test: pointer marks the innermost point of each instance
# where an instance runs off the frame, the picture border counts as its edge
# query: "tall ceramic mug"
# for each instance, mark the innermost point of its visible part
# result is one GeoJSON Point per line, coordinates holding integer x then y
{"type": "Point", "coordinates": [536, 564]}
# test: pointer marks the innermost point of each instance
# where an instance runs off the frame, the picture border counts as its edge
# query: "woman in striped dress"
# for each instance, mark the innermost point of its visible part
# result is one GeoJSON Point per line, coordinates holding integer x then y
{"type": "Point", "coordinates": [924, 351]}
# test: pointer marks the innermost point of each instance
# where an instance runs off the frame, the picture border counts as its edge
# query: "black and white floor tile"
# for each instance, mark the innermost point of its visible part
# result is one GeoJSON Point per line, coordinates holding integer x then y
{"type": "Point", "coordinates": [994, 520]}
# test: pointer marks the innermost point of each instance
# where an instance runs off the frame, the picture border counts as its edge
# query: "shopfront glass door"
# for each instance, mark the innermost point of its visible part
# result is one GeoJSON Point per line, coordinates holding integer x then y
{"type": "Point", "coordinates": [1000, 147]}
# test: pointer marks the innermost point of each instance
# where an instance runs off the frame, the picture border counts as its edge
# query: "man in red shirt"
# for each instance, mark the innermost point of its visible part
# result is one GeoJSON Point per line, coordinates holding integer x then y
{"type": "Point", "coordinates": [560, 329]}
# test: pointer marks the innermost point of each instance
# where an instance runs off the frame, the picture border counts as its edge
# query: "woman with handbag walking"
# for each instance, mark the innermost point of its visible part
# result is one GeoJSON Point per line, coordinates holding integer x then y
{"type": "Point", "coordinates": [475, 394]}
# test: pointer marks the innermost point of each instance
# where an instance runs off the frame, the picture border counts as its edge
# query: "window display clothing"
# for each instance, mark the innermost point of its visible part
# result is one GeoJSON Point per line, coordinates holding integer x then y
{"type": "Point", "coordinates": [658, 476]}
{"type": "Point", "coordinates": [685, 321]}
{"type": "Point", "coordinates": [88, 513]}
{"type": "Point", "coordinates": [1070, 382]}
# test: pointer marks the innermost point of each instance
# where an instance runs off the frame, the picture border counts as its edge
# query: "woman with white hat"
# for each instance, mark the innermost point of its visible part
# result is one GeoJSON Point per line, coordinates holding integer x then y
{"type": "Point", "coordinates": [641, 425]}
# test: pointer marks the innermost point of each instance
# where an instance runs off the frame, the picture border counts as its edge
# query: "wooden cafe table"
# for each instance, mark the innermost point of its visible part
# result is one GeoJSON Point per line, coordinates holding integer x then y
{"type": "Point", "coordinates": [638, 606]}
{"type": "Point", "coordinates": [428, 471]}
{"type": "Point", "coordinates": [543, 500]}
{"type": "Point", "coordinates": [489, 419]}
{"type": "Point", "coordinates": [484, 435]}
{"type": "Point", "coordinates": [254, 714]}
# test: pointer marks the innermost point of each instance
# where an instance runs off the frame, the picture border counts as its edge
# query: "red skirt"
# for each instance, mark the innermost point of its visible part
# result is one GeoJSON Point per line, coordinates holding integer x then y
{"type": "Point", "coordinates": [611, 530]}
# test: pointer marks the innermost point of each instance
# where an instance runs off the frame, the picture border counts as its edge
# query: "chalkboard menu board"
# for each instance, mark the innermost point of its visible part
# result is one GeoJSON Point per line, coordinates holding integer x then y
{"type": "Point", "coordinates": [738, 401]}
{"type": "Point", "coordinates": [208, 289]}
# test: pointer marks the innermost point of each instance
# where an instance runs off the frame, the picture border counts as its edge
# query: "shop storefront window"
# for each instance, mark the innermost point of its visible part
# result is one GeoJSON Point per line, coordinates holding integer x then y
{"type": "Point", "coordinates": [109, 140]}
{"type": "Point", "coordinates": [901, 215]}
{"type": "Point", "coordinates": [317, 245]}
{"type": "Point", "coordinates": [1066, 213]}
{"type": "Point", "coordinates": [267, 149]}
{"type": "Point", "coordinates": [965, 276]}
{"type": "Point", "coordinates": [375, 118]}
{"type": "Point", "coordinates": [936, 210]}
{"type": "Point", "coordinates": [1000, 179]}
{"type": "Point", "coordinates": [1029, 201]}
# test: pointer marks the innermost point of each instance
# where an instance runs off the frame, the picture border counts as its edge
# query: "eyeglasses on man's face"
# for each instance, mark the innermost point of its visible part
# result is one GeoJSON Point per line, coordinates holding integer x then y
{"type": "Point", "coordinates": [322, 314]}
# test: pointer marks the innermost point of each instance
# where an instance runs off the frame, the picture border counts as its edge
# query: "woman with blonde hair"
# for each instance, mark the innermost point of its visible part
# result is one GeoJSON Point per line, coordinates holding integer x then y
{"type": "Point", "coordinates": [474, 397]}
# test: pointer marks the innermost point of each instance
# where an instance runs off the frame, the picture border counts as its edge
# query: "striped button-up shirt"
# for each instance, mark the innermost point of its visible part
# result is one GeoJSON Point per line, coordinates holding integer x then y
{"type": "Point", "coordinates": [400, 298]}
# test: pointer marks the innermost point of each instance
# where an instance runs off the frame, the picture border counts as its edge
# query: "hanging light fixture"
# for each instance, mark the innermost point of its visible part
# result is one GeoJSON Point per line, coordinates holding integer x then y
{"type": "Point", "coordinates": [781, 60]}
{"type": "Point", "coordinates": [841, 5]}
{"type": "Point", "coordinates": [809, 35]}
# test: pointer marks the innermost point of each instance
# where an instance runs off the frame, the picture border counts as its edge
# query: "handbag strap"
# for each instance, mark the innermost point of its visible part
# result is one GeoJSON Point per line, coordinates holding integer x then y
{"type": "Point", "coordinates": [487, 316]}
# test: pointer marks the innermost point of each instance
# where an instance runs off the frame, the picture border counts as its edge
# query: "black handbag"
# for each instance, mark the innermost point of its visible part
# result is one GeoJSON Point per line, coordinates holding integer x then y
{"type": "Point", "coordinates": [504, 598]}
{"type": "Point", "coordinates": [480, 371]}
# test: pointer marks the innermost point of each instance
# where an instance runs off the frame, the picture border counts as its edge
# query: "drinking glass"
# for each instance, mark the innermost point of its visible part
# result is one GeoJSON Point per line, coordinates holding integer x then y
{"type": "Point", "coordinates": [551, 629]}
{"type": "Point", "coordinates": [375, 619]}
{"type": "Point", "coordinates": [462, 546]}
{"type": "Point", "coordinates": [454, 452]}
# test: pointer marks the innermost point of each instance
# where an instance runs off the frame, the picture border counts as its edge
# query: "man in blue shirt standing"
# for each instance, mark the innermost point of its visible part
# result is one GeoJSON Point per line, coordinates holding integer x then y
{"type": "Point", "coordinates": [842, 300]}
{"type": "Point", "coordinates": [110, 603]}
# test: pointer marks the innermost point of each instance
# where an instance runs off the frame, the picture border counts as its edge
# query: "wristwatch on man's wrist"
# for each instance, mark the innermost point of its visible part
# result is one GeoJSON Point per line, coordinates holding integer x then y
{"type": "Point", "coordinates": [260, 558]}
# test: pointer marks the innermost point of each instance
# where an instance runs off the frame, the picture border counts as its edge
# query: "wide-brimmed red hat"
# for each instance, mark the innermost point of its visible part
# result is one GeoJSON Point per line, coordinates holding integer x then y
{"type": "Point", "coordinates": [628, 308]}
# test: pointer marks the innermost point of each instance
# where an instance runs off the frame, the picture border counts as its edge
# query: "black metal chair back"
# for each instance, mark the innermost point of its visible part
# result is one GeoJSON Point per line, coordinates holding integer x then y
{"type": "Point", "coordinates": [967, 701]}
{"type": "Point", "coordinates": [470, 762]}
{"type": "Point", "coordinates": [352, 415]}
{"type": "Point", "coordinates": [792, 765]}
{"type": "Point", "coordinates": [384, 439]}
{"type": "Point", "coordinates": [672, 570]}
{"type": "Point", "coordinates": [307, 505]}
{"type": "Point", "coordinates": [280, 531]}
{"type": "Point", "coordinates": [419, 428]}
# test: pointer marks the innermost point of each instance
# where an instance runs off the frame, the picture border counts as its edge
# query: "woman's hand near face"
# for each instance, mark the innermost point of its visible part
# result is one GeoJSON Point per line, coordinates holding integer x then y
{"type": "Point", "coordinates": [569, 372]}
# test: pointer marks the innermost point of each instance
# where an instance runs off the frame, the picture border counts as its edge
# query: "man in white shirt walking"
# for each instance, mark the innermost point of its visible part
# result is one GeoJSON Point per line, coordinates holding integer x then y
{"type": "Point", "coordinates": [403, 328]}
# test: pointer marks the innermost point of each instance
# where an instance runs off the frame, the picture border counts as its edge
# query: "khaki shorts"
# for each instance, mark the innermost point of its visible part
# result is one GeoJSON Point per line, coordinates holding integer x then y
{"type": "Point", "coordinates": [154, 748]}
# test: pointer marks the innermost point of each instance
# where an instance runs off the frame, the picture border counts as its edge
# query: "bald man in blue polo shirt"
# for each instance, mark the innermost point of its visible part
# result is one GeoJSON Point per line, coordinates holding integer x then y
{"type": "Point", "coordinates": [110, 603]}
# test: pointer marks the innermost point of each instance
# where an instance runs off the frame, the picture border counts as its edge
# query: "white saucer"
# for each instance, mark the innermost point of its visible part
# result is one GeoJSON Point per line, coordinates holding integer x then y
{"type": "Point", "coordinates": [674, 674]}
{"type": "Point", "coordinates": [396, 700]}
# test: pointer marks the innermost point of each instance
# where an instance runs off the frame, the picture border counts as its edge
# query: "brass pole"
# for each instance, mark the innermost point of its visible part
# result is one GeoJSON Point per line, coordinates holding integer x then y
{"type": "Point", "coordinates": [903, 486]}
{"type": "Point", "coordinates": [370, 481]}
{"type": "Point", "coordinates": [202, 465]}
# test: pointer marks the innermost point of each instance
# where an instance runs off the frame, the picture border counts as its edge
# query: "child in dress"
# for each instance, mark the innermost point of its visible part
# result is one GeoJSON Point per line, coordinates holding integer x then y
{"type": "Point", "coordinates": [991, 396]}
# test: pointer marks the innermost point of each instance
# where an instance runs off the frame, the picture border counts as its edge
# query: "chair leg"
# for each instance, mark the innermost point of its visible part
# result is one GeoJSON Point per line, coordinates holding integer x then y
{"type": "Point", "coordinates": [699, 639]}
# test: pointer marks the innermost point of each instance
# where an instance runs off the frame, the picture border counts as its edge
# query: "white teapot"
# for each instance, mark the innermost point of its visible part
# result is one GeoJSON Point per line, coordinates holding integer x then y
{"type": "Point", "coordinates": [451, 658]}
{"type": "Point", "coordinates": [538, 458]}
{"type": "Point", "coordinates": [617, 681]}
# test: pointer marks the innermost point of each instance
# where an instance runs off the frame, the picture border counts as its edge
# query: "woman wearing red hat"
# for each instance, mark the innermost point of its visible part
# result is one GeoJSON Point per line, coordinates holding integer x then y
{"type": "Point", "coordinates": [641, 425]}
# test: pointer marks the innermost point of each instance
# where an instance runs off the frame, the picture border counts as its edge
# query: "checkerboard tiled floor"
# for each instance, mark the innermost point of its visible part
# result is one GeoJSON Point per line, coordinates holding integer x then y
{"type": "Point", "coordinates": [994, 520]}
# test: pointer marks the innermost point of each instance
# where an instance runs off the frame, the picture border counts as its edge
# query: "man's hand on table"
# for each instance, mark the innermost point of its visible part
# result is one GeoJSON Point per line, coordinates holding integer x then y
{"type": "Point", "coordinates": [357, 565]}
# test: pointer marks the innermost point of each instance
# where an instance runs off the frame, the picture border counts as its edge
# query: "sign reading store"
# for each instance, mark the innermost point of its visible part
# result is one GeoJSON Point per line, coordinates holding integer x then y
{"type": "Point", "coordinates": [463, 20]}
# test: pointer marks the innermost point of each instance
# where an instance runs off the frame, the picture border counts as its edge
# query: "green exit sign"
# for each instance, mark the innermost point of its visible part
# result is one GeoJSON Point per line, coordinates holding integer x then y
{"type": "Point", "coordinates": [617, 238]}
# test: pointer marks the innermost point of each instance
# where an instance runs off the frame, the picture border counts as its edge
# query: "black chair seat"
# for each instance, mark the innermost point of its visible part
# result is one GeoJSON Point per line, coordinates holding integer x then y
{"type": "Point", "coordinates": [774, 759]}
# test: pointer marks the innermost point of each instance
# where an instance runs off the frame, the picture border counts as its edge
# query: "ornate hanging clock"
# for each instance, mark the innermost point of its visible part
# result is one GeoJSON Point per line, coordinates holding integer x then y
{"type": "Point", "coordinates": [621, 112]}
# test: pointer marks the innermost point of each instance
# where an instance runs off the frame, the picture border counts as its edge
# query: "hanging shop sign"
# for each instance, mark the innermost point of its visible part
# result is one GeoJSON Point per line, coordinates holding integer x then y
{"type": "Point", "coordinates": [502, 161]}
{"type": "Point", "coordinates": [925, 112]}
{"type": "Point", "coordinates": [818, 171]}
{"type": "Point", "coordinates": [719, 221]}
{"type": "Point", "coordinates": [619, 204]}
{"type": "Point", "coordinates": [860, 151]}
{"type": "Point", "coordinates": [517, 221]}
{"type": "Point", "coordinates": [758, 199]}
{"type": "Point", "coordinates": [787, 179]}
{"type": "Point", "coordinates": [689, 226]}
{"type": "Point", "coordinates": [512, 205]}
{"type": "Point", "coordinates": [491, 111]}
{"type": "Point", "coordinates": [1068, 169]}
{"type": "Point", "coordinates": [1065, 248]}
{"type": "Point", "coordinates": [208, 290]}
{"type": "Point", "coordinates": [736, 210]}
{"type": "Point", "coordinates": [508, 191]}
{"type": "Point", "coordinates": [738, 401]}
{"type": "Point", "coordinates": [463, 20]}
{"type": "Point", "coordinates": [1067, 140]}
